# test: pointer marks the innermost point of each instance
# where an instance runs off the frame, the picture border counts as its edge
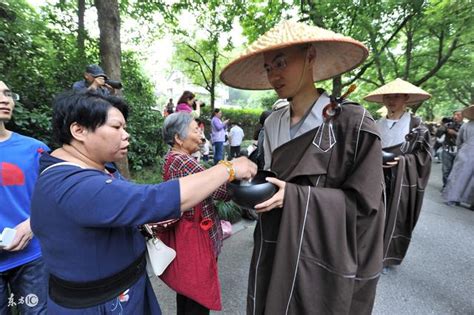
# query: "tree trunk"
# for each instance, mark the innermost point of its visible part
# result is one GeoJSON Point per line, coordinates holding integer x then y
{"type": "Point", "coordinates": [81, 32]}
{"type": "Point", "coordinates": [109, 26]}
{"type": "Point", "coordinates": [213, 80]}
{"type": "Point", "coordinates": [110, 50]}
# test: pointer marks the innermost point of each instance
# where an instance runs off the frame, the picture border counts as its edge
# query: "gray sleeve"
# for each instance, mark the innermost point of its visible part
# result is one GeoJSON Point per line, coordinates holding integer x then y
{"type": "Point", "coordinates": [460, 139]}
{"type": "Point", "coordinates": [267, 149]}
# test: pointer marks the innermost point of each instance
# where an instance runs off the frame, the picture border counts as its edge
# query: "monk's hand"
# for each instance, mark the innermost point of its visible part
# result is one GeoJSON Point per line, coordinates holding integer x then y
{"type": "Point", "coordinates": [22, 238]}
{"type": "Point", "coordinates": [391, 163]}
{"type": "Point", "coordinates": [276, 201]}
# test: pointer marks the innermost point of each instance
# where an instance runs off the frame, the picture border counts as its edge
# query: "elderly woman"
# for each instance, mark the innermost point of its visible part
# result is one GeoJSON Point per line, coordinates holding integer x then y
{"type": "Point", "coordinates": [183, 134]}
{"type": "Point", "coordinates": [86, 218]}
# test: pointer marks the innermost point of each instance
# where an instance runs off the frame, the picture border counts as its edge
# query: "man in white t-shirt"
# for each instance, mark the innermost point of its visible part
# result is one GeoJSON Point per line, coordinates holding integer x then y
{"type": "Point", "coordinates": [236, 135]}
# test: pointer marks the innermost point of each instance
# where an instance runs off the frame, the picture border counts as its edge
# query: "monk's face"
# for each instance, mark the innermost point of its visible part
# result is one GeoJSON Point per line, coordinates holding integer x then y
{"type": "Point", "coordinates": [395, 102]}
{"type": "Point", "coordinates": [287, 71]}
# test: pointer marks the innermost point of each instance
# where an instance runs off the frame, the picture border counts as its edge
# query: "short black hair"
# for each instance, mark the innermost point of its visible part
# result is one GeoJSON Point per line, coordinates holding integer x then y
{"type": "Point", "coordinates": [446, 120]}
{"type": "Point", "coordinates": [87, 108]}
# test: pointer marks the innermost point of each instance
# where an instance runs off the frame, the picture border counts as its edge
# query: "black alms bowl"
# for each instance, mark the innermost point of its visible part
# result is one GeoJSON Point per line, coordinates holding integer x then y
{"type": "Point", "coordinates": [247, 194]}
{"type": "Point", "coordinates": [388, 156]}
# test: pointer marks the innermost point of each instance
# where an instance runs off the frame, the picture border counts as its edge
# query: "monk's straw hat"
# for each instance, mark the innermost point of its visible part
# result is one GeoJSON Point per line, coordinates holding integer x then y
{"type": "Point", "coordinates": [335, 54]}
{"type": "Point", "coordinates": [398, 86]}
{"type": "Point", "coordinates": [468, 112]}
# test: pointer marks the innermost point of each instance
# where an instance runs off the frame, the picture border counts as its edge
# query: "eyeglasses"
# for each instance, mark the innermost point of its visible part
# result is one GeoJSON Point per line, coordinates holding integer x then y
{"type": "Point", "coordinates": [279, 64]}
{"type": "Point", "coordinates": [10, 94]}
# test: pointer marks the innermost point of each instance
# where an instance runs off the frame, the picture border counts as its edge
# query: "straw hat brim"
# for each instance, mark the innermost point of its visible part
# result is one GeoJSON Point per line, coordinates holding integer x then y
{"type": "Point", "coordinates": [335, 54]}
{"type": "Point", "coordinates": [468, 112]}
{"type": "Point", "coordinates": [399, 86]}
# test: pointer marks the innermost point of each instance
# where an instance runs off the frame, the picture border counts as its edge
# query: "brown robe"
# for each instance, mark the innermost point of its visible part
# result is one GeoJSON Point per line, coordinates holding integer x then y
{"type": "Point", "coordinates": [326, 255]}
{"type": "Point", "coordinates": [405, 187]}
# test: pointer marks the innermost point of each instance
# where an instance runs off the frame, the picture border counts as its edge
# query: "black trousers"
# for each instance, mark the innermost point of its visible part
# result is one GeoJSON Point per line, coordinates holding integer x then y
{"type": "Point", "coordinates": [235, 152]}
{"type": "Point", "coordinates": [186, 306]}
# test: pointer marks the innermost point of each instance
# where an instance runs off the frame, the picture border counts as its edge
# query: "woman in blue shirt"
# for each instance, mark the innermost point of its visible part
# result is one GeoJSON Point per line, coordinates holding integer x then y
{"type": "Point", "coordinates": [86, 218]}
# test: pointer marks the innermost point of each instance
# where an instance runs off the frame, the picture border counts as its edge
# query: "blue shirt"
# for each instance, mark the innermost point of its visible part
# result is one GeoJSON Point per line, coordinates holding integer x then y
{"type": "Point", "coordinates": [19, 165]}
{"type": "Point", "coordinates": [86, 222]}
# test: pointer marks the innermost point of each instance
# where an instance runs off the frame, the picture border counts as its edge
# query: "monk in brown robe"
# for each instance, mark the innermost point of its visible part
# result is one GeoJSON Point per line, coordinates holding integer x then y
{"type": "Point", "coordinates": [318, 240]}
{"type": "Point", "coordinates": [405, 178]}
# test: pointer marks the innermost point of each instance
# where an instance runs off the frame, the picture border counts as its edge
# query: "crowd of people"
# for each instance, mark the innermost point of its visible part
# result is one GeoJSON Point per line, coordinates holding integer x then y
{"type": "Point", "coordinates": [455, 139]}
{"type": "Point", "coordinates": [349, 188]}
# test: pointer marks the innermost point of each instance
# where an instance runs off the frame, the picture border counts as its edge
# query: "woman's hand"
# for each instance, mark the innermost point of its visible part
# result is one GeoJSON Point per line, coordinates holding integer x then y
{"type": "Point", "coordinates": [244, 168]}
{"type": "Point", "coordinates": [277, 200]}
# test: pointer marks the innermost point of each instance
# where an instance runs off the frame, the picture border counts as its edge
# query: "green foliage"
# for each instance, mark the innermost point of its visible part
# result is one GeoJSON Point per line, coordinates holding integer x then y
{"type": "Point", "coordinates": [200, 55]}
{"type": "Point", "coordinates": [414, 40]}
{"type": "Point", "coordinates": [34, 65]}
{"type": "Point", "coordinates": [149, 174]}
{"type": "Point", "coordinates": [246, 117]}
{"type": "Point", "coordinates": [144, 123]}
{"type": "Point", "coordinates": [196, 60]}
{"type": "Point", "coordinates": [40, 59]}
{"type": "Point", "coordinates": [262, 15]}
{"type": "Point", "coordinates": [228, 211]}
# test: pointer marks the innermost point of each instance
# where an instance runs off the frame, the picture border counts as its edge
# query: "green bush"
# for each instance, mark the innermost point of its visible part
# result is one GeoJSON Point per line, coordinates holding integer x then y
{"type": "Point", "coordinates": [40, 59]}
{"type": "Point", "coordinates": [248, 118]}
{"type": "Point", "coordinates": [144, 124]}
{"type": "Point", "coordinates": [151, 174]}
{"type": "Point", "coordinates": [228, 211]}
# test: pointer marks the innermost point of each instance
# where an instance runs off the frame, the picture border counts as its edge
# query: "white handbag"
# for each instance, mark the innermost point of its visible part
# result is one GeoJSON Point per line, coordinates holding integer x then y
{"type": "Point", "coordinates": [158, 256]}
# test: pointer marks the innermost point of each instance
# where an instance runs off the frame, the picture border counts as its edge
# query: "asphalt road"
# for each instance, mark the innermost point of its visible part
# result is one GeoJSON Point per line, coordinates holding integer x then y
{"type": "Point", "coordinates": [436, 277]}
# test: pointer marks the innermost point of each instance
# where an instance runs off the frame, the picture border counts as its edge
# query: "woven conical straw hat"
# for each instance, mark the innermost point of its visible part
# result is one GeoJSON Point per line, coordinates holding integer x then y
{"type": "Point", "coordinates": [335, 54]}
{"type": "Point", "coordinates": [398, 86]}
{"type": "Point", "coordinates": [468, 112]}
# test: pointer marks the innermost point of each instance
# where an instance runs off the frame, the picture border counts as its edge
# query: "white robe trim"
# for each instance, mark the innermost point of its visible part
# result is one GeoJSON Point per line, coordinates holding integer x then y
{"type": "Point", "coordinates": [277, 126]}
{"type": "Point", "coordinates": [393, 132]}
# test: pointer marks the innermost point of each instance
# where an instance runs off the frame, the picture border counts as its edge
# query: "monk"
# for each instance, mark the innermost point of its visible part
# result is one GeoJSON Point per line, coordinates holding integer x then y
{"type": "Point", "coordinates": [318, 240]}
{"type": "Point", "coordinates": [406, 178]}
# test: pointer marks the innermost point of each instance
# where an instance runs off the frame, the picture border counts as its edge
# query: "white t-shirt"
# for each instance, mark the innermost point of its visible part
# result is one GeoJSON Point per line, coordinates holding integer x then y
{"type": "Point", "coordinates": [236, 135]}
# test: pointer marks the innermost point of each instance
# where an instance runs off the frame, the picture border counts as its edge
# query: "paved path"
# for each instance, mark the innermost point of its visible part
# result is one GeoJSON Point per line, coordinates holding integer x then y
{"type": "Point", "coordinates": [436, 277]}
